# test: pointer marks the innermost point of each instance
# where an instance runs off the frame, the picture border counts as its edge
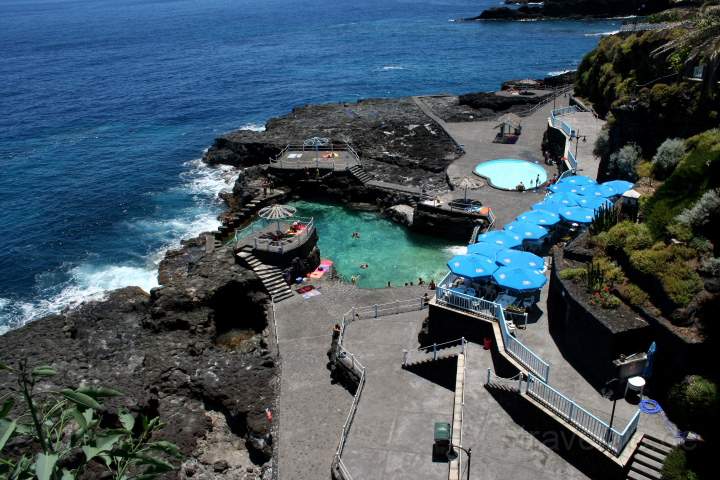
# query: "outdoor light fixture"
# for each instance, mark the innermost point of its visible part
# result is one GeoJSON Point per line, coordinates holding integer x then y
{"type": "Point", "coordinates": [452, 455]}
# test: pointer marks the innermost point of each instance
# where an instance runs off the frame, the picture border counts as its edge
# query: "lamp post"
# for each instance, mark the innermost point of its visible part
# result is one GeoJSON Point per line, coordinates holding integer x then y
{"type": "Point", "coordinates": [609, 393]}
{"type": "Point", "coordinates": [452, 455]}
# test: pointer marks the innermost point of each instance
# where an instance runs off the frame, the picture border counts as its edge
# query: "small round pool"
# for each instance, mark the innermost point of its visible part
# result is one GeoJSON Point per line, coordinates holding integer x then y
{"type": "Point", "coordinates": [507, 173]}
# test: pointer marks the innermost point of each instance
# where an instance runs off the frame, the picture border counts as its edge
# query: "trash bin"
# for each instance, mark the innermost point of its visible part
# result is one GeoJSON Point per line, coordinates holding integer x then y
{"type": "Point", "coordinates": [634, 389]}
{"type": "Point", "coordinates": [441, 447]}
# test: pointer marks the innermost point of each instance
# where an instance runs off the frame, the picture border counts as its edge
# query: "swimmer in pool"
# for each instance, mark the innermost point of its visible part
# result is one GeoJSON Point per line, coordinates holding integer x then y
{"type": "Point", "coordinates": [364, 265]}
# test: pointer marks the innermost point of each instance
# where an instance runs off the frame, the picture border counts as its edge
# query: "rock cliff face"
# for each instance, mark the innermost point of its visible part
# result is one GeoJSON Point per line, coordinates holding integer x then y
{"type": "Point", "coordinates": [575, 9]}
{"type": "Point", "coordinates": [193, 351]}
{"type": "Point", "coordinates": [392, 134]}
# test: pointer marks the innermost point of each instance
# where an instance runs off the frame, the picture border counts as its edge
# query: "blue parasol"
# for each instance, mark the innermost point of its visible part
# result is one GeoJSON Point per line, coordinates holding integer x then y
{"type": "Point", "coordinates": [540, 217]}
{"type": "Point", "coordinates": [578, 214]}
{"type": "Point", "coordinates": [527, 230]}
{"type": "Point", "coordinates": [616, 187]}
{"type": "Point", "coordinates": [592, 191]}
{"type": "Point", "coordinates": [520, 279]}
{"type": "Point", "coordinates": [566, 199]}
{"type": "Point", "coordinates": [520, 259]}
{"type": "Point", "coordinates": [484, 248]}
{"type": "Point", "coordinates": [502, 238]}
{"type": "Point", "coordinates": [474, 267]}
{"type": "Point", "coordinates": [579, 180]}
{"type": "Point", "coordinates": [564, 188]}
{"type": "Point", "coordinates": [595, 203]}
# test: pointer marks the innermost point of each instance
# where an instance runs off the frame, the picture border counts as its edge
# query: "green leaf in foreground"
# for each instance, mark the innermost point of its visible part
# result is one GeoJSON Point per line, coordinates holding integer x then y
{"type": "Point", "coordinates": [99, 392]}
{"type": "Point", "coordinates": [6, 407]}
{"type": "Point", "coordinates": [127, 421]}
{"type": "Point", "coordinates": [43, 371]}
{"type": "Point", "coordinates": [6, 431]}
{"type": "Point", "coordinates": [45, 465]}
{"type": "Point", "coordinates": [80, 399]}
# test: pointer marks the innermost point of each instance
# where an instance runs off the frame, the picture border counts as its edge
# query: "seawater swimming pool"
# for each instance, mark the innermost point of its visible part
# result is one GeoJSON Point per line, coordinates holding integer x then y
{"type": "Point", "coordinates": [392, 252]}
{"type": "Point", "coordinates": [507, 173]}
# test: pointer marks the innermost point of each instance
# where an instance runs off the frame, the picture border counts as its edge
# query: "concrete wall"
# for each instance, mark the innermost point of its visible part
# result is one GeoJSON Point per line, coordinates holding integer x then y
{"type": "Point", "coordinates": [583, 338]}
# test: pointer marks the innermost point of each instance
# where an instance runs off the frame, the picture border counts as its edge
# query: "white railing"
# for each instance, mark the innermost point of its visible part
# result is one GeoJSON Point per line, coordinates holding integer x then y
{"type": "Point", "coordinates": [594, 428]}
{"type": "Point", "coordinates": [277, 246]}
{"type": "Point", "coordinates": [549, 99]}
{"type": "Point", "coordinates": [564, 111]}
{"type": "Point", "coordinates": [357, 313]}
{"type": "Point", "coordinates": [486, 308]}
{"type": "Point", "coordinates": [572, 160]}
{"type": "Point", "coordinates": [321, 163]}
{"type": "Point", "coordinates": [433, 351]}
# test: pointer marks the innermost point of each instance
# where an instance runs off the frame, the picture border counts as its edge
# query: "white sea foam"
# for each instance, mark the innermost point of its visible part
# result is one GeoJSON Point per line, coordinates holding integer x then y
{"type": "Point", "coordinates": [602, 34]}
{"type": "Point", "coordinates": [559, 72]}
{"type": "Point", "coordinates": [386, 68]}
{"type": "Point", "coordinates": [253, 126]}
{"type": "Point", "coordinates": [91, 281]}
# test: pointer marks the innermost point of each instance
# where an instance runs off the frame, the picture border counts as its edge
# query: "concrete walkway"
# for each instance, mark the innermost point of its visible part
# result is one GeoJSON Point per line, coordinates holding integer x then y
{"type": "Point", "coordinates": [588, 127]}
{"type": "Point", "coordinates": [570, 382]}
{"type": "Point", "coordinates": [312, 409]}
{"type": "Point", "coordinates": [392, 434]}
{"type": "Point", "coordinates": [477, 141]}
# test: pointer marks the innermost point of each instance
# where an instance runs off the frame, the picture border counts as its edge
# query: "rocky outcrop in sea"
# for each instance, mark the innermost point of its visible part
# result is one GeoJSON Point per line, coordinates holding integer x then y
{"type": "Point", "coordinates": [572, 9]}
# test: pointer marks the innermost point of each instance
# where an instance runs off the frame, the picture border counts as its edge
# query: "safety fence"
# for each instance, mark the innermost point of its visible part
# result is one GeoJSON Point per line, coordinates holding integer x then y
{"type": "Point", "coordinates": [320, 162]}
{"type": "Point", "coordinates": [486, 308]}
{"type": "Point", "coordinates": [276, 246]}
{"type": "Point", "coordinates": [538, 374]}
{"type": "Point", "coordinates": [567, 409]}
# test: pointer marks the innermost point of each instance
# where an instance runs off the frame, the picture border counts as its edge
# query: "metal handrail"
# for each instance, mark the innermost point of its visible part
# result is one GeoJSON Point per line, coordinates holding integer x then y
{"type": "Point", "coordinates": [544, 102]}
{"type": "Point", "coordinates": [595, 428]}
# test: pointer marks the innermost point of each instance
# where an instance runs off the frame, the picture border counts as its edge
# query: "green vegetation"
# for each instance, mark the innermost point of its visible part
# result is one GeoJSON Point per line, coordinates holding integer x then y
{"type": "Point", "coordinates": [64, 434]}
{"type": "Point", "coordinates": [697, 172]}
{"type": "Point", "coordinates": [676, 466]}
{"type": "Point", "coordinates": [667, 157]}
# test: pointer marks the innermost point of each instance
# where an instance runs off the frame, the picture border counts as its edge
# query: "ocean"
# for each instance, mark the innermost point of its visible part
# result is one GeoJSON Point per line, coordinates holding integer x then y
{"type": "Point", "coordinates": [107, 106]}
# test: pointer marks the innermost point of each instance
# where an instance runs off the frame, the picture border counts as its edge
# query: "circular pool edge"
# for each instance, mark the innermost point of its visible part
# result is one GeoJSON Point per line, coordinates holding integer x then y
{"type": "Point", "coordinates": [508, 189]}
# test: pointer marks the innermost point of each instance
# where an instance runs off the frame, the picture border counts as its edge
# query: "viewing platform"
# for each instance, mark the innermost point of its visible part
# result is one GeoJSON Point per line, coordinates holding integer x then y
{"type": "Point", "coordinates": [334, 157]}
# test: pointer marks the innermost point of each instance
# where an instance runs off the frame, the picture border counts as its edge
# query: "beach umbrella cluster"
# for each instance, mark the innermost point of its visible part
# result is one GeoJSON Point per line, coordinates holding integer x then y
{"type": "Point", "coordinates": [498, 256]}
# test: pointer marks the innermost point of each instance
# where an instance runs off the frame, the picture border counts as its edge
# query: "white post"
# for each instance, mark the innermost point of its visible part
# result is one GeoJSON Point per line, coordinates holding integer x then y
{"type": "Point", "coordinates": [405, 357]}
{"type": "Point", "coordinates": [488, 377]}
{"type": "Point", "coordinates": [434, 351]}
{"type": "Point", "coordinates": [376, 310]}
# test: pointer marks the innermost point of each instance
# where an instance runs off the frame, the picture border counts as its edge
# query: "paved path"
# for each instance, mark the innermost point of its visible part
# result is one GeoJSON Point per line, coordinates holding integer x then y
{"type": "Point", "coordinates": [588, 128]}
{"type": "Point", "coordinates": [311, 409]}
{"type": "Point", "coordinates": [392, 434]}
{"type": "Point", "coordinates": [477, 140]}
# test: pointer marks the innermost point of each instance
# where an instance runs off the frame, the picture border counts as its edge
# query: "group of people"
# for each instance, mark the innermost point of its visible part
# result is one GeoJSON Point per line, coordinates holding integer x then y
{"type": "Point", "coordinates": [533, 184]}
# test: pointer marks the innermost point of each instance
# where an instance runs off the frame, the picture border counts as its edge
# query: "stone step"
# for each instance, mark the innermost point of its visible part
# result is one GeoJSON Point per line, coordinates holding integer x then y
{"type": "Point", "coordinates": [650, 453]}
{"type": "Point", "coordinates": [647, 462]}
{"type": "Point", "coordinates": [656, 444]}
{"type": "Point", "coordinates": [430, 359]}
{"type": "Point", "coordinates": [648, 473]}
{"type": "Point", "coordinates": [282, 296]}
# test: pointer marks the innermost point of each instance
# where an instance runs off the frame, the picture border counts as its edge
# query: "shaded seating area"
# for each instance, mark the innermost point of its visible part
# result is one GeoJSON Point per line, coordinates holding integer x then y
{"type": "Point", "coordinates": [509, 129]}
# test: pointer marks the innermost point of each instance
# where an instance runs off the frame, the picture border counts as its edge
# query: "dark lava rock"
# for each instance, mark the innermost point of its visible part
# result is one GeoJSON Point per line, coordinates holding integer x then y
{"type": "Point", "coordinates": [499, 103]}
{"type": "Point", "coordinates": [395, 132]}
{"type": "Point", "coordinates": [574, 9]}
{"type": "Point", "coordinates": [160, 350]}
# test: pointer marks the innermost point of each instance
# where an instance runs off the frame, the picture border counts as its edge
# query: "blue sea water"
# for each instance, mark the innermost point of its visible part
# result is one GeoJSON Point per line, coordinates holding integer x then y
{"type": "Point", "coordinates": [107, 105]}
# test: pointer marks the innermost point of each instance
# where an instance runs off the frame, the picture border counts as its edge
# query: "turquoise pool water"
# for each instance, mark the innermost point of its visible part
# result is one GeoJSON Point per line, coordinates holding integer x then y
{"type": "Point", "coordinates": [391, 251]}
{"type": "Point", "coordinates": [507, 173]}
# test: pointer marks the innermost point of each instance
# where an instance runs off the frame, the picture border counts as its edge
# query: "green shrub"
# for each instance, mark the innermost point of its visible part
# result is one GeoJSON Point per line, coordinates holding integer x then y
{"type": "Point", "coordinates": [703, 212]}
{"type": "Point", "coordinates": [694, 404]}
{"type": "Point", "coordinates": [681, 283]}
{"type": "Point", "coordinates": [680, 231]}
{"type": "Point", "coordinates": [622, 164]}
{"type": "Point", "coordinates": [650, 262]}
{"type": "Point", "coordinates": [644, 169]}
{"type": "Point", "coordinates": [676, 467]}
{"type": "Point", "coordinates": [634, 294]}
{"type": "Point", "coordinates": [627, 236]}
{"type": "Point", "coordinates": [574, 274]}
{"type": "Point", "coordinates": [697, 172]}
{"type": "Point", "coordinates": [711, 267]}
{"type": "Point", "coordinates": [667, 157]}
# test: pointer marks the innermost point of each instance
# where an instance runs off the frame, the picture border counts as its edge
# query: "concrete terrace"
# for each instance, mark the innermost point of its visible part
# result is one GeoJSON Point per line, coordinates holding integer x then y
{"type": "Point", "coordinates": [477, 140]}
{"type": "Point", "coordinates": [392, 434]}
{"type": "Point", "coordinates": [587, 127]}
{"type": "Point", "coordinates": [311, 408]}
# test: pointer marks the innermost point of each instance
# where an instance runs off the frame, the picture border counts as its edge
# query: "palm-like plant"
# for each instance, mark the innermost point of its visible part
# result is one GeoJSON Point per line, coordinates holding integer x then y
{"type": "Point", "coordinates": [700, 43]}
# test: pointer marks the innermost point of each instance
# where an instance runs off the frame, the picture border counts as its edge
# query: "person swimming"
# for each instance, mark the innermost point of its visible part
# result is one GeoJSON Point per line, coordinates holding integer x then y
{"type": "Point", "coordinates": [356, 235]}
{"type": "Point", "coordinates": [364, 266]}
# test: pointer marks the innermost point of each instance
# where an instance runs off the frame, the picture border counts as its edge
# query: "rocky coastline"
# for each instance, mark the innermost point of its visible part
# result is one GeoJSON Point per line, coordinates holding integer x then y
{"type": "Point", "coordinates": [570, 9]}
{"type": "Point", "coordinates": [198, 350]}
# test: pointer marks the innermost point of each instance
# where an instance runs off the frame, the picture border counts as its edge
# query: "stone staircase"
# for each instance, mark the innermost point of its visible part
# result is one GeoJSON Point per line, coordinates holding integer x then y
{"type": "Point", "coordinates": [271, 277]}
{"type": "Point", "coordinates": [360, 173]}
{"type": "Point", "coordinates": [433, 353]}
{"type": "Point", "coordinates": [503, 384]}
{"type": "Point", "coordinates": [648, 458]}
